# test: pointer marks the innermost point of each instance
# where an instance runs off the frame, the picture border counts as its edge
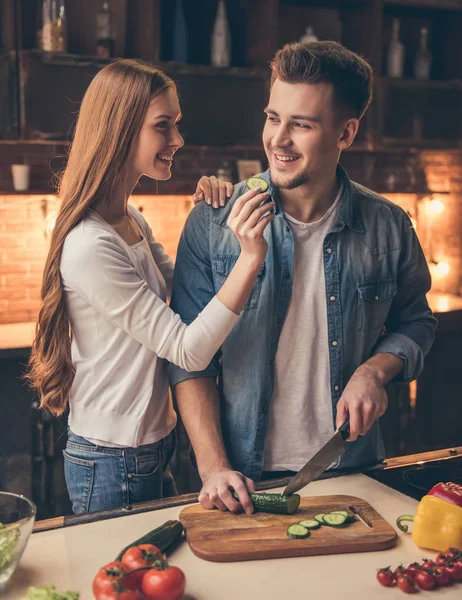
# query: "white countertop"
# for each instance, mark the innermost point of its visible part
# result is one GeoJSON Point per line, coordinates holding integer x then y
{"type": "Point", "coordinates": [70, 557]}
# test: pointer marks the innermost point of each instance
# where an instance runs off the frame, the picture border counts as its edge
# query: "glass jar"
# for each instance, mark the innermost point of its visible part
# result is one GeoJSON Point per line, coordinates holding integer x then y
{"type": "Point", "coordinates": [53, 32]}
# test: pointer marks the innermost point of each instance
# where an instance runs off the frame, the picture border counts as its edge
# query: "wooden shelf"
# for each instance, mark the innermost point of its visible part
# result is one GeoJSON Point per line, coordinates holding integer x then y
{"type": "Point", "coordinates": [423, 144]}
{"type": "Point", "coordinates": [427, 4]}
{"type": "Point", "coordinates": [410, 83]}
{"type": "Point", "coordinates": [59, 58]}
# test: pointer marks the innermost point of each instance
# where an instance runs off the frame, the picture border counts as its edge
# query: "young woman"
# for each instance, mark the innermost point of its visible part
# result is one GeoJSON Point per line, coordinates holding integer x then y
{"type": "Point", "coordinates": [104, 332]}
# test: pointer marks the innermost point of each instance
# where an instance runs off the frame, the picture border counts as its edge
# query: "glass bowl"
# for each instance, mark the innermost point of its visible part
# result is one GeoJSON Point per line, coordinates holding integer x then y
{"type": "Point", "coordinates": [17, 516]}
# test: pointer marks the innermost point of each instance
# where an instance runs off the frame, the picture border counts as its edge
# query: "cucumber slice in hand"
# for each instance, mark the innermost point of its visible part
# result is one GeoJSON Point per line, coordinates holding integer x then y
{"type": "Point", "coordinates": [297, 531]}
{"type": "Point", "coordinates": [257, 182]}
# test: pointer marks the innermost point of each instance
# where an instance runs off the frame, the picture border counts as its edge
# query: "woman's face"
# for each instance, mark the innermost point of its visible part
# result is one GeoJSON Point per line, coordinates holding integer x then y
{"type": "Point", "coordinates": [159, 137]}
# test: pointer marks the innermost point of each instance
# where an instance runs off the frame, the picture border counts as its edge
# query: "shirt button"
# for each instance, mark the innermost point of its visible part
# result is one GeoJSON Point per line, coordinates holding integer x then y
{"type": "Point", "coordinates": [287, 275]}
{"type": "Point", "coordinates": [336, 388]}
{"type": "Point", "coordinates": [329, 250]}
{"type": "Point", "coordinates": [257, 456]}
{"type": "Point", "coordinates": [376, 297]}
{"type": "Point", "coordinates": [335, 343]}
{"type": "Point", "coordinates": [332, 298]}
{"type": "Point", "coordinates": [279, 321]}
{"type": "Point", "coordinates": [271, 362]}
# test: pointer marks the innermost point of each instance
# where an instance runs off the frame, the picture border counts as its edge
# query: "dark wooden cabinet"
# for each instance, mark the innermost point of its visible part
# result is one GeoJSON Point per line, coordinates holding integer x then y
{"type": "Point", "coordinates": [405, 112]}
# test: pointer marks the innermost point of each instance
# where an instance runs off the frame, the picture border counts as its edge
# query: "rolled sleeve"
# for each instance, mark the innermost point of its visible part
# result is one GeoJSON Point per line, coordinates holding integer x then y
{"type": "Point", "coordinates": [408, 351]}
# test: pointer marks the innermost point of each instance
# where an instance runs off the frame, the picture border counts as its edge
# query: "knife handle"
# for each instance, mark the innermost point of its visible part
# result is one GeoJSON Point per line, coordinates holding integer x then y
{"type": "Point", "coordinates": [345, 429]}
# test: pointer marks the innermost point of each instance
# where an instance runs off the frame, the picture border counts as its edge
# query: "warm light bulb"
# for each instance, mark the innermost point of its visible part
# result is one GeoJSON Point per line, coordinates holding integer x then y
{"type": "Point", "coordinates": [435, 207]}
{"type": "Point", "coordinates": [442, 268]}
{"type": "Point", "coordinates": [443, 304]}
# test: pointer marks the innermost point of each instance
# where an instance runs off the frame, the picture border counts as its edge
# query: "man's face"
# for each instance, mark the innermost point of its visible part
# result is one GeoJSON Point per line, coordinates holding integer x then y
{"type": "Point", "coordinates": [301, 135]}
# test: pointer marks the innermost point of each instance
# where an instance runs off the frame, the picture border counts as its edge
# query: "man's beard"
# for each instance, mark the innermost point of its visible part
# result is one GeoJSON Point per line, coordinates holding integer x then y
{"type": "Point", "coordinates": [290, 184]}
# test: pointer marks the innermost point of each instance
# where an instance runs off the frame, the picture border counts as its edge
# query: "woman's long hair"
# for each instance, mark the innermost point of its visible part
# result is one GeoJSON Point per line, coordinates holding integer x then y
{"type": "Point", "coordinates": [110, 119]}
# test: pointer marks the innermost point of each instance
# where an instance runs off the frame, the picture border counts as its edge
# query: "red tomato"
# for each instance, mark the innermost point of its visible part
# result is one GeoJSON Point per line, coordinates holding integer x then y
{"type": "Point", "coordinates": [165, 584]}
{"type": "Point", "coordinates": [385, 577]}
{"type": "Point", "coordinates": [413, 569]}
{"type": "Point", "coordinates": [120, 595]}
{"type": "Point", "coordinates": [428, 564]}
{"type": "Point", "coordinates": [425, 580]}
{"type": "Point", "coordinates": [406, 584]}
{"type": "Point", "coordinates": [398, 572]}
{"type": "Point", "coordinates": [442, 576]}
{"type": "Point", "coordinates": [112, 577]}
{"type": "Point", "coordinates": [454, 570]}
{"type": "Point", "coordinates": [441, 559]}
{"type": "Point", "coordinates": [137, 557]}
{"type": "Point", "coordinates": [453, 552]}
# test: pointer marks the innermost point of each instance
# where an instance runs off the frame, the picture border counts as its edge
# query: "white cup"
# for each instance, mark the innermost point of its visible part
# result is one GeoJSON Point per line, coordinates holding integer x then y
{"type": "Point", "coordinates": [21, 174]}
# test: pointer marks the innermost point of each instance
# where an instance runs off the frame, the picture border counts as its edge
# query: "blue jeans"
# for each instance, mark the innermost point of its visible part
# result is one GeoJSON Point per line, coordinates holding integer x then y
{"type": "Point", "coordinates": [102, 478]}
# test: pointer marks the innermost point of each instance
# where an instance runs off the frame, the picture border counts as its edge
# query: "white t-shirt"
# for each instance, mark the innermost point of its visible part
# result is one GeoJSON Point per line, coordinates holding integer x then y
{"type": "Point", "coordinates": [123, 333]}
{"type": "Point", "coordinates": [300, 413]}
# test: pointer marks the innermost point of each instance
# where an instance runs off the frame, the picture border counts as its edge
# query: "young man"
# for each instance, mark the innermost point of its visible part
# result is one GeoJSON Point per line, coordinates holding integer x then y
{"type": "Point", "coordinates": [338, 309]}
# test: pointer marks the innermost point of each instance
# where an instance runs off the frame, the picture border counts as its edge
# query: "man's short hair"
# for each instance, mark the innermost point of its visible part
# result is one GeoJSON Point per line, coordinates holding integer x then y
{"type": "Point", "coordinates": [350, 75]}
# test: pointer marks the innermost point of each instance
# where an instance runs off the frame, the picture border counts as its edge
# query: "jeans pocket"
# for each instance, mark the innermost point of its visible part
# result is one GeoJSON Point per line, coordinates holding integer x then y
{"type": "Point", "coordinates": [79, 475]}
{"type": "Point", "coordinates": [147, 465]}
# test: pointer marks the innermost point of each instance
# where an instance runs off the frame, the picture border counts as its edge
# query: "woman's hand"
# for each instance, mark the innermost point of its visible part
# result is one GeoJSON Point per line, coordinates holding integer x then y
{"type": "Point", "coordinates": [214, 191]}
{"type": "Point", "coordinates": [248, 219]}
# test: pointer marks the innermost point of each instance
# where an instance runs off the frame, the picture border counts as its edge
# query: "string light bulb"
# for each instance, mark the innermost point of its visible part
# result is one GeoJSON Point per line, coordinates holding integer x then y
{"type": "Point", "coordinates": [435, 207]}
{"type": "Point", "coordinates": [442, 269]}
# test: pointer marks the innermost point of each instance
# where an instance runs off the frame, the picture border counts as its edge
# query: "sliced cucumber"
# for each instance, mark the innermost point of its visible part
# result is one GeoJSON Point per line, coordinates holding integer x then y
{"type": "Point", "coordinates": [320, 518]}
{"type": "Point", "coordinates": [310, 524]}
{"type": "Point", "coordinates": [257, 182]}
{"type": "Point", "coordinates": [345, 513]}
{"type": "Point", "coordinates": [297, 531]}
{"type": "Point", "coordinates": [350, 518]}
{"type": "Point", "coordinates": [273, 503]}
{"type": "Point", "coordinates": [334, 520]}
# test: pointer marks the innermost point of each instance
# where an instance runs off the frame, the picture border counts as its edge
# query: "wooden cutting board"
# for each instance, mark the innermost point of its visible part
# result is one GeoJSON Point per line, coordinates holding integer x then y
{"type": "Point", "coordinates": [223, 536]}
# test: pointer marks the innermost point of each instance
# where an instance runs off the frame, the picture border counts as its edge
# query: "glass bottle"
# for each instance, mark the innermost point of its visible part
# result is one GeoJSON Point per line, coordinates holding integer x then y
{"type": "Point", "coordinates": [221, 39]}
{"type": "Point", "coordinates": [180, 35]}
{"type": "Point", "coordinates": [309, 36]}
{"type": "Point", "coordinates": [105, 32]}
{"type": "Point", "coordinates": [53, 34]}
{"type": "Point", "coordinates": [395, 57]}
{"type": "Point", "coordinates": [423, 59]}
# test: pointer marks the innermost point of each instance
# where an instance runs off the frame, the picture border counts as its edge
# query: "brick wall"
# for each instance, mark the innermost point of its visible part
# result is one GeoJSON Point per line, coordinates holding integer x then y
{"type": "Point", "coordinates": [24, 218]}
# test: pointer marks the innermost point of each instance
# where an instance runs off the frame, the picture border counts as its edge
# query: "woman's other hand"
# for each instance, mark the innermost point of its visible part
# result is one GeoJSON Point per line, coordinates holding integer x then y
{"type": "Point", "coordinates": [214, 191]}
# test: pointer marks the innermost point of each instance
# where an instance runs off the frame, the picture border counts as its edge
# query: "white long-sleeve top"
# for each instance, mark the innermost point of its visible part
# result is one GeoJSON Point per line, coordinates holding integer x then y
{"type": "Point", "coordinates": [123, 333]}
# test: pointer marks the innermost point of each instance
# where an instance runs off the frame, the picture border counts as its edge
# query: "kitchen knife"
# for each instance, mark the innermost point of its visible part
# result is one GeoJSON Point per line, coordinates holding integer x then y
{"type": "Point", "coordinates": [330, 452]}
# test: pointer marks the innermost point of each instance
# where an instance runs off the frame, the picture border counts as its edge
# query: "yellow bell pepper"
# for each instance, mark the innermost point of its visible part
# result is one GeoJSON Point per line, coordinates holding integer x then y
{"type": "Point", "coordinates": [437, 524]}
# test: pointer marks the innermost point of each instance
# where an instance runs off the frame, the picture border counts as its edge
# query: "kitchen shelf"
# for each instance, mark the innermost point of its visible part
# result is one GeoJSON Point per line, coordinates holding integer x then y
{"type": "Point", "coordinates": [416, 84]}
{"type": "Point", "coordinates": [62, 59]}
{"type": "Point", "coordinates": [427, 4]}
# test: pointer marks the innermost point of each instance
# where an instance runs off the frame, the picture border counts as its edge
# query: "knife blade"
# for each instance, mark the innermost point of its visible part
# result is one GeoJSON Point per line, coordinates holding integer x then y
{"type": "Point", "coordinates": [330, 452]}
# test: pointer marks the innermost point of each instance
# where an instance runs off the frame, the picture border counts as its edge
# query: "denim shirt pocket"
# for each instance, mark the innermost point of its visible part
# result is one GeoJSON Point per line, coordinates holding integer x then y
{"type": "Point", "coordinates": [222, 267]}
{"type": "Point", "coordinates": [374, 301]}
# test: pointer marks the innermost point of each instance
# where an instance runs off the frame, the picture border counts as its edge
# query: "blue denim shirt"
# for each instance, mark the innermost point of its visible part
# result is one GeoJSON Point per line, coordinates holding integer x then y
{"type": "Point", "coordinates": [375, 269]}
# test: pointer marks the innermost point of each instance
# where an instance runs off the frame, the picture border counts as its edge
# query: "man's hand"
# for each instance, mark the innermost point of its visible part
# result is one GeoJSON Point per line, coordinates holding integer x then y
{"type": "Point", "coordinates": [216, 492]}
{"type": "Point", "coordinates": [364, 399]}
